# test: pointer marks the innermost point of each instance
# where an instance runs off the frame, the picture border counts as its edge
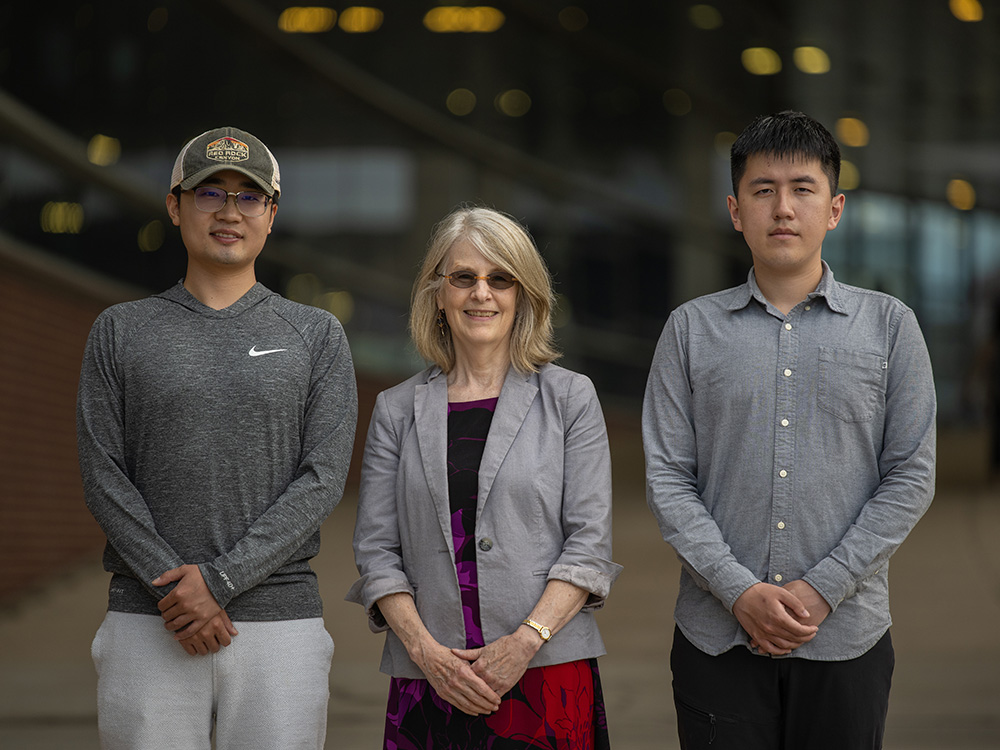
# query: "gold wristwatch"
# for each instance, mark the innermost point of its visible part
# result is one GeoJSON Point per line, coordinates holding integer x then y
{"type": "Point", "coordinates": [542, 630]}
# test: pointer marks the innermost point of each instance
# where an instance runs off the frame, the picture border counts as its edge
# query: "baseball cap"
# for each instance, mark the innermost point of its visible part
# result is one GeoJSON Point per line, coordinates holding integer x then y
{"type": "Point", "coordinates": [226, 148]}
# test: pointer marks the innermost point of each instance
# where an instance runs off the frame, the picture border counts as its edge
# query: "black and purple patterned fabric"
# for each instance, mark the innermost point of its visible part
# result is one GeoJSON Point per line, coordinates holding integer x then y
{"type": "Point", "coordinates": [560, 707]}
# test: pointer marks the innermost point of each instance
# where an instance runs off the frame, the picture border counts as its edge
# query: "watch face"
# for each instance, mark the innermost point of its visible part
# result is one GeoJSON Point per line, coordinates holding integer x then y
{"type": "Point", "coordinates": [546, 633]}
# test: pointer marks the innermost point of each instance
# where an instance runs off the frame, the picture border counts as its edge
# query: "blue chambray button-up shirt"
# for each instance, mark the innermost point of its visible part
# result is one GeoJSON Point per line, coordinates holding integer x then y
{"type": "Point", "coordinates": [783, 447]}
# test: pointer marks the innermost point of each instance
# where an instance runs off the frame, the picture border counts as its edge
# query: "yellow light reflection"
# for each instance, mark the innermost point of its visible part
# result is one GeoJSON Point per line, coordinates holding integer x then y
{"type": "Point", "coordinates": [62, 218]}
{"type": "Point", "coordinates": [308, 20]}
{"type": "Point", "coordinates": [157, 20]}
{"type": "Point", "coordinates": [513, 103]}
{"type": "Point", "coordinates": [761, 61]}
{"type": "Point", "coordinates": [361, 20]}
{"type": "Point", "coordinates": [151, 236]}
{"type": "Point", "coordinates": [676, 102]}
{"type": "Point", "coordinates": [452, 18]}
{"type": "Point", "coordinates": [850, 177]}
{"type": "Point", "coordinates": [573, 18]}
{"type": "Point", "coordinates": [812, 60]}
{"type": "Point", "coordinates": [724, 142]}
{"type": "Point", "coordinates": [340, 304]}
{"type": "Point", "coordinates": [461, 102]}
{"type": "Point", "coordinates": [303, 288]}
{"type": "Point", "coordinates": [969, 11]}
{"type": "Point", "coordinates": [705, 17]}
{"type": "Point", "coordinates": [961, 195]}
{"type": "Point", "coordinates": [852, 132]}
{"type": "Point", "coordinates": [103, 150]}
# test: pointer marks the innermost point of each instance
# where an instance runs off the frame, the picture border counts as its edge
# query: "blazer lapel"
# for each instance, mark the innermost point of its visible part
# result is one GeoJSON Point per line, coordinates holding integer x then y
{"type": "Point", "coordinates": [516, 397]}
{"type": "Point", "coordinates": [430, 414]}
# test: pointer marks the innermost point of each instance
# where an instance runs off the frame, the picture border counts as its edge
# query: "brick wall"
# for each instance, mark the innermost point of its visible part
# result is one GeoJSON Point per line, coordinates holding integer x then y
{"type": "Point", "coordinates": [46, 310]}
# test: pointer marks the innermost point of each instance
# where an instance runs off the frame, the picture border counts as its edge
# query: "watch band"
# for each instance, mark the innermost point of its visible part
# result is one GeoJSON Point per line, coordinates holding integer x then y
{"type": "Point", "coordinates": [543, 631]}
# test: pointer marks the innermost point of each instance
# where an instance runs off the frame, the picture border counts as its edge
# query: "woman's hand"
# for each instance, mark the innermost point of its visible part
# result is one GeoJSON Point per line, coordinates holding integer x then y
{"type": "Point", "coordinates": [451, 677]}
{"type": "Point", "coordinates": [502, 663]}
{"type": "Point", "coordinates": [454, 679]}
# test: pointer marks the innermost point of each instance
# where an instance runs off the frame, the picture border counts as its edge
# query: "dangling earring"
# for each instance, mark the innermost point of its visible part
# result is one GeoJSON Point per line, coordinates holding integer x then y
{"type": "Point", "coordinates": [442, 322]}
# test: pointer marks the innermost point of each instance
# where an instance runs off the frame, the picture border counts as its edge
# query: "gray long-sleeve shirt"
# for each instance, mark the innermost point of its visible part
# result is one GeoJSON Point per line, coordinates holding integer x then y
{"type": "Point", "coordinates": [216, 437]}
{"type": "Point", "coordinates": [789, 447]}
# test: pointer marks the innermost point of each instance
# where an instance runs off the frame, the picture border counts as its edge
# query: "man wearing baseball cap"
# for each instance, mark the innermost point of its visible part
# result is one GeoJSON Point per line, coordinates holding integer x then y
{"type": "Point", "coordinates": [215, 426]}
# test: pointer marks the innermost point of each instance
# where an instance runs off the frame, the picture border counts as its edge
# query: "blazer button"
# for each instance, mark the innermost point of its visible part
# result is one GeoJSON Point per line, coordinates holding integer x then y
{"type": "Point", "coordinates": [485, 544]}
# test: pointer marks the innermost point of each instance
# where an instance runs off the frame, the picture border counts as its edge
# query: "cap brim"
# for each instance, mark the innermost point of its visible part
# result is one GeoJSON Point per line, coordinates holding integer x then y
{"type": "Point", "coordinates": [198, 177]}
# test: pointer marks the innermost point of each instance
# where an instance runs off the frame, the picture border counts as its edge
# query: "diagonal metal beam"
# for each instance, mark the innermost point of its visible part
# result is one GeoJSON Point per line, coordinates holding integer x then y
{"type": "Point", "coordinates": [53, 145]}
{"type": "Point", "coordinates": [404, 109]}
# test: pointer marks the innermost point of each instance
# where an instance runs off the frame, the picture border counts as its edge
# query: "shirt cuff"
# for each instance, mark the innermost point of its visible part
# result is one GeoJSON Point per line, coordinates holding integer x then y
{"type": "Point", "coordinates": [219, 584]}
{"type": "Point", "coordinates": [832, 581]}
{"type": "Point", "coordinates": [736, 579]}
{"type": "Point", "coordinates": [368, 589]}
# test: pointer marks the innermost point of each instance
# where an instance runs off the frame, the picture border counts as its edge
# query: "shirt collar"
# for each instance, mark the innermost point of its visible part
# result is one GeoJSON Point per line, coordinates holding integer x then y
{"type": "Point", "coordinates": [828, 288]}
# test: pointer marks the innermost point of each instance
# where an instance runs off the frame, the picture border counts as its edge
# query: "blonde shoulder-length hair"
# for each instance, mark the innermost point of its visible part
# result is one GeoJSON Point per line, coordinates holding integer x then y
{"type": "Point", "coordinates": [506, 244]}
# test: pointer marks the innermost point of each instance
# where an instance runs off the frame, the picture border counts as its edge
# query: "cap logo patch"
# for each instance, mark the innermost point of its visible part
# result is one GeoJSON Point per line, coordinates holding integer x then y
{"type": "Point", "coordinates": [227, 149]}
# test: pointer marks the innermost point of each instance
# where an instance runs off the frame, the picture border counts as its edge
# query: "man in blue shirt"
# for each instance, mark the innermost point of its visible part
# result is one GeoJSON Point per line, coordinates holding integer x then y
{"type": "Point", "coordinates": [789, 430]}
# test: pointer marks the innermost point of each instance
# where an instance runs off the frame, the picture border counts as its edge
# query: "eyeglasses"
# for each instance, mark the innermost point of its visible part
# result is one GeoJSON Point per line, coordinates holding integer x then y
{"type": "Point", "coordinates": [212, 199]}
{"type": "Point", "coordinates": [467, 279]}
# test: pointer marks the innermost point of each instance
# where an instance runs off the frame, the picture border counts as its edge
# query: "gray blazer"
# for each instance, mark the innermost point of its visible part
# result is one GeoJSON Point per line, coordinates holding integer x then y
{"type": "Point", "coordinates": [544, 511]}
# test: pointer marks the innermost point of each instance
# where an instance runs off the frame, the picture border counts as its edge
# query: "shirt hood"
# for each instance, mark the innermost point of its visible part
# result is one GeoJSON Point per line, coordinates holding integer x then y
{"type": "Point", "coordinates": [179, 294]}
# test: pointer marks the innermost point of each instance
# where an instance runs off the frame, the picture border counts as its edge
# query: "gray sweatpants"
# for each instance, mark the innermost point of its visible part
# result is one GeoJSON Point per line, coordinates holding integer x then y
{"type": "Point", "coordinates": [268, 689]}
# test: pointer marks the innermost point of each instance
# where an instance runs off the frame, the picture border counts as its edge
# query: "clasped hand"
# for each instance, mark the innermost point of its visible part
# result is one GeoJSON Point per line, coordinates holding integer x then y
{"type": "Point", "coordinates": [473, 680]}
{"type": "Point", "coordinates": [780, 619]}
{"type": "Point", "coordinates": [502, 663]}
{"type": "Point", "coordinates": [454, 679]}
{"type": "Point", "coordinates": [191, 613]}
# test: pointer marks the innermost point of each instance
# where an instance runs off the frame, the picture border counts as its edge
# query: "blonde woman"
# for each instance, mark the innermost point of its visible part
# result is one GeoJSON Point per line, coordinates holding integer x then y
{"type": "Point", "coordinates": [483, 538]}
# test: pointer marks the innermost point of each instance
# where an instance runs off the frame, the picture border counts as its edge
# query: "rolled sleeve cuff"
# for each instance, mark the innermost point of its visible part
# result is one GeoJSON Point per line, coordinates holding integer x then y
{"type": "Point", "coordinates": [368, 589]}
{"type": "Point", "coordinates": [597, 581]}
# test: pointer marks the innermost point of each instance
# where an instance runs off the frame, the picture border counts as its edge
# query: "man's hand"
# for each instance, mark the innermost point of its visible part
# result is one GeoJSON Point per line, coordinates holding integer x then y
{"type": "Point", "coordinates": [190, 606]}
{"type": "Point", "coordinates": [217, 633]}
{"type": "Point", "coordinates": [502, 663]}
{"type": "Point", "coordinates": [774, 618]}
{"type": "Point", "coordinates": [811, 600]}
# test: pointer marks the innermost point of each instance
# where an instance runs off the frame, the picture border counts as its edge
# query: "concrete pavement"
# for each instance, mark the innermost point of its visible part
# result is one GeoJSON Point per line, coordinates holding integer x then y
{"type": "Point", "coordinates": [945, 584]}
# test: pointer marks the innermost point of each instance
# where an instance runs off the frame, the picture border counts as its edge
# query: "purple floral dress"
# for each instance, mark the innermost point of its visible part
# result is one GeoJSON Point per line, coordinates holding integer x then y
{"type": "Point", "coordinates": [560, 707]}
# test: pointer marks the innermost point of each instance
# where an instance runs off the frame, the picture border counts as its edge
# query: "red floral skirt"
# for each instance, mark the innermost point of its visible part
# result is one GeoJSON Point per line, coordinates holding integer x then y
{"type": "Point", "coordinates": [552, 708]}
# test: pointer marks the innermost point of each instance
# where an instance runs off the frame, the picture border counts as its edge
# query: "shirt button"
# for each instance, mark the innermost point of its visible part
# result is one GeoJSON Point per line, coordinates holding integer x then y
{"type": "Point", "coordinates": [781, 524]}
{"type": "Point", "coordinates": [782, 473]}
{"type": "Point", "coordinates": [788, 373]}
{"type": "Point", "coordinates": [485, 544]}
{"type": "Point", "coordinates": [778, 578]}
{"type": "Point", "coordinates": [784, 423]}
{"type": "Point", "coordinates": [788, 326]}
{"type": "Point", "coordinates": [808, 308]}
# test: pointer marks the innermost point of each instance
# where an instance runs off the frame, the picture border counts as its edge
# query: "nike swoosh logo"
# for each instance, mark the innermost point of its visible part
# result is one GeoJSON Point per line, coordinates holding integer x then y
{"type": "Point", "coordinates": [254, 353]}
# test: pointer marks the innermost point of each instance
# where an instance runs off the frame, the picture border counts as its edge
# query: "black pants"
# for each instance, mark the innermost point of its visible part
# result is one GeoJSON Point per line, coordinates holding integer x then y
{"type": "Point", "coordinates": [744, 701]}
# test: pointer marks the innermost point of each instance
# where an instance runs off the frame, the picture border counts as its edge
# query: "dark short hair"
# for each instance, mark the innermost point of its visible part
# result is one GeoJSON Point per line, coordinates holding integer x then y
{"type": "Point", "coordinates": [786, 134]}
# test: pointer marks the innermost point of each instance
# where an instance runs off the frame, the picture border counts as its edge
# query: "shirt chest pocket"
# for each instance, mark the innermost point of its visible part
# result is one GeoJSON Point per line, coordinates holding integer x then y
{"type": "Point", "coordinates": [851, 384]}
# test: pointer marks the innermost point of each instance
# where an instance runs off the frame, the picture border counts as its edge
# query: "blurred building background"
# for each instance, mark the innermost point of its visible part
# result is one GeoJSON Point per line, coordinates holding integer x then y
{"type": "Point", "coordinates": [603, 124]}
